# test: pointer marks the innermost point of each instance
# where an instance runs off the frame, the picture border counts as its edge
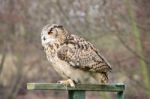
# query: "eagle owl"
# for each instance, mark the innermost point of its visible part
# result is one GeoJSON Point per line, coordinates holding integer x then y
{"type": "Point", "coordinates": [73, 57]}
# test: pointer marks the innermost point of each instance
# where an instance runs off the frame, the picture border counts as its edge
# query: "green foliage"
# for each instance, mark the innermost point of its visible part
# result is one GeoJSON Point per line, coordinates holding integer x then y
{"type": "Point", "coordinates": [139, 49]}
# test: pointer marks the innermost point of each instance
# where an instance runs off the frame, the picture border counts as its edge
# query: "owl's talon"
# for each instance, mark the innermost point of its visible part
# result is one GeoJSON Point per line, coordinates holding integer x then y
{"type": "Point", "coordinates": [67, 82]}
{"type": "Point", "coordinates": [59, 82]}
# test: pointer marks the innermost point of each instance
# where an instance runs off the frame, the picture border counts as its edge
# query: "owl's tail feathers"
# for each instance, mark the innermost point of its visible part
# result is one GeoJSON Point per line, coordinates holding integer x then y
{"type": "Point", "coordinates": [102, 78]}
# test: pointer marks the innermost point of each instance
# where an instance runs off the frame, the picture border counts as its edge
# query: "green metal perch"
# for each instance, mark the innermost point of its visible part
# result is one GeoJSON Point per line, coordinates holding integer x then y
{"type": "Point", "coordinates": [79, 91]}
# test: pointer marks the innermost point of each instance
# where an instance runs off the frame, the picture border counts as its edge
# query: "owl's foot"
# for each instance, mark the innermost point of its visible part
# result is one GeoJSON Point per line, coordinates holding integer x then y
{"type": "Point", "coordinates": [67, 82]}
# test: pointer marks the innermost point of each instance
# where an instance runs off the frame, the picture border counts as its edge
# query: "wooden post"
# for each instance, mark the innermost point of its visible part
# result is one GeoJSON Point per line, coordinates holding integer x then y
{"type": "Point", "coordinates": [120, 95]}
{"type": "Point", "coordinates": [76, 94]}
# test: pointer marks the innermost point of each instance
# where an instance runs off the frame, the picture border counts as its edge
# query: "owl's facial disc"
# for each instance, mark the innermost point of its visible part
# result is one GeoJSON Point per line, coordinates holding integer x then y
{"type": "Point", "coordinates": [47, 38]}
{"type": "Point", "coordinates": [52, 34]}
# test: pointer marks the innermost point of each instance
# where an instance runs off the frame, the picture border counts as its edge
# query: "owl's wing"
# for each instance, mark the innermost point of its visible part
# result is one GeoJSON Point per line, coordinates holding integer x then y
{"type": "Point", "coordinates": [81, 54]}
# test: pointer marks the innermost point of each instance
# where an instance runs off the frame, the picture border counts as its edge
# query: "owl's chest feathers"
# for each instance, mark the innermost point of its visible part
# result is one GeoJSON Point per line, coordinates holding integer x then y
{"type": "Point", "coordinates": [64, 69]}
{"type": "Point", "coordinates": [60, 66]}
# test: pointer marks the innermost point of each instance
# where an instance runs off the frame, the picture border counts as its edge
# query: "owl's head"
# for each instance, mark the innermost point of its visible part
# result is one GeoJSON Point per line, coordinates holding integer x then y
{"type": "Point", "coordinates": [53, 33]}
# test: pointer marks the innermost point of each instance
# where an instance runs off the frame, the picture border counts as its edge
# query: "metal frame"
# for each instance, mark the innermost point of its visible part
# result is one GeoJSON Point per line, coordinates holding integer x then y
{"type": "Point", "coordinates": [79, 91]}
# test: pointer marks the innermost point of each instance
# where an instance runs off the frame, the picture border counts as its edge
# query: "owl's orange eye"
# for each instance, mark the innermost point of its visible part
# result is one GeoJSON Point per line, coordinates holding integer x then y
{"type": "Point", "coordinates": [49, 32]}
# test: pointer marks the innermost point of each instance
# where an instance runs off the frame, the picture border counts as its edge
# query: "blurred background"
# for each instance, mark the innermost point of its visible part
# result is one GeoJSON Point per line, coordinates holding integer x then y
{"type": "Point", "coordinates": [119, 28]}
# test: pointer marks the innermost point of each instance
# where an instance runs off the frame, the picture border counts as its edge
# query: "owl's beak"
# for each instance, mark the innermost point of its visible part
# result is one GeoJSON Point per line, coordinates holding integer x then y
{"type": "Point", "coordinates": [44, 38]}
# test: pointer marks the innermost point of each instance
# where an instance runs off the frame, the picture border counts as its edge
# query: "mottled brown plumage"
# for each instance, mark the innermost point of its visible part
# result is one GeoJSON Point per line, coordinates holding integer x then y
{"type": "Point", "coordinates": [74, 57]}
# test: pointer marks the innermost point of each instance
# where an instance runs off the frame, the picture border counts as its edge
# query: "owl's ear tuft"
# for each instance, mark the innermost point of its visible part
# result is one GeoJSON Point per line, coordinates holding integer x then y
{"type": "Point", "coordinates": [60, 26]}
